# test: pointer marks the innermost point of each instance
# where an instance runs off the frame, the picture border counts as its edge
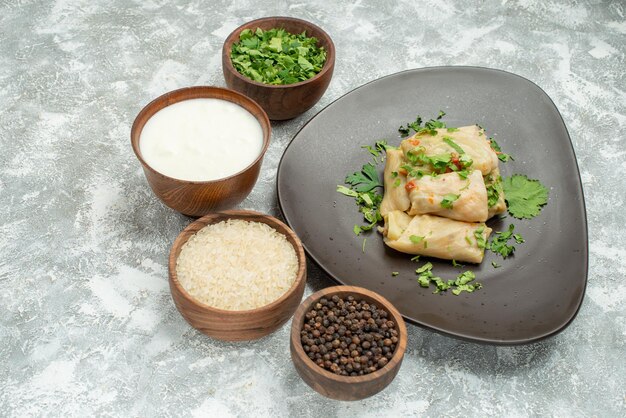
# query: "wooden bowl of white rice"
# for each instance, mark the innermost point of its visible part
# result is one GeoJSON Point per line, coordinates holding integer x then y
{"type": "Point", "coordinates": [237, 275]}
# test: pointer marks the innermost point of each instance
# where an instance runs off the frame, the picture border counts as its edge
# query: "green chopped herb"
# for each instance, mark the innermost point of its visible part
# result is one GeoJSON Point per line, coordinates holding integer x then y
{"type": "Point", "coordinates": [357, 230]}
{"type": "Point", "coordinates": [377, 150]}
{"type": "Point", "coordinates": [448, 200]}
{"type": "Point", "coordinates": [468, 240]}
{"type": "Point", "coordinates": [462, 282]}
{"type": "Point", "coordinates": [501, 155]}
{"type": "Point", "coordinates": [426, 267]}
{"type": "Point", "coordinates": [452, 129]}
{"type": "Point", "coordinates": [495, 265]}
{"type": "Point", "coordinates": [524, 196]}
{"type": "Point", "coordinates": [455, 264]}
{"type": "Point", "coordinates": [364, 241]}
{"type": "Point", "coordinates": [394, 273]}
{"type": "Point", "coordinates": [416, 258]}
{"type": "Point", "coordinates": [480, 238]}
{"type": "Point", "coordinates": [394, 174]}
{"type": "Point", "coordinates": [430, 126]}
{"type": "Point", "coordinates": [348, 192]}
{"type": "Point", "coordinates": [276, 56]}
{"type": "Point", "coordinates": [416, 239]}
{"type": "Point", "coordinates": [494, 189]}
{"type": "Point", "coordinates": [463, 174]}
{"type": "Point", "coordinates": [396, 183]}
{"type": "Point", "coordinates": [453, 144]}
{"type": "Point", "coordinates": [499, 243]}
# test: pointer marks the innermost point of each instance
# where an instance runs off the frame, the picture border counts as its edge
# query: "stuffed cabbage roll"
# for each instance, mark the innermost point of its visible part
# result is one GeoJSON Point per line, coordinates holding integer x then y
{"type": "Point", "coordinates": [396, 197]}
{"type": "Point", "coordinates": [449, 195]}
{"type": "Point", "coordinates": [470, 139]}
{"type": "Point", "coordinates": [434, 236]}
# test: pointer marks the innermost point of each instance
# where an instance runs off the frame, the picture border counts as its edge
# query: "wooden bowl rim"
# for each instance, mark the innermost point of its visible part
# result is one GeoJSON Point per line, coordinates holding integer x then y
{"type": "Point", "coordinates": [206, 93]}
{"type": "Point", "coordinates": [219, 216]}
{"type": "Point", "coordinates": [298, 321]}
{"type": "Point", "coordinates": [234, 35]}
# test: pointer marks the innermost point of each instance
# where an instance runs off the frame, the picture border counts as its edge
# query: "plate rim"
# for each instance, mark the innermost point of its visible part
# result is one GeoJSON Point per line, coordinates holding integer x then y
{"type": "Point", "coordinates": [456, 335]}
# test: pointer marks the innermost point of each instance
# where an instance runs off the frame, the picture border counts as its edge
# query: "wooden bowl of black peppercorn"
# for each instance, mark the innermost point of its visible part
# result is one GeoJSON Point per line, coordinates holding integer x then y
{"type": "Point", "coordinates": [347, 342]}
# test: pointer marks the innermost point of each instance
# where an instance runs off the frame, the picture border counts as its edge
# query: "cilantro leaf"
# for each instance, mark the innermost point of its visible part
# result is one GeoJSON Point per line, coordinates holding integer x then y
{"type": "Point", "coordinates": [524, 196]}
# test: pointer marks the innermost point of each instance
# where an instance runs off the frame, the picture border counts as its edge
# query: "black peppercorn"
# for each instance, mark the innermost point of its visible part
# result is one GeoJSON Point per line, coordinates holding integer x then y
{"type": "Point", "coordinates": [349, 337]}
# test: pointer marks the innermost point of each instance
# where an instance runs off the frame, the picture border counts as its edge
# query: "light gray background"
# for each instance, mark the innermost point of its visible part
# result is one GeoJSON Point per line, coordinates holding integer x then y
{"type": "Point", "coordinates": [87, 325]}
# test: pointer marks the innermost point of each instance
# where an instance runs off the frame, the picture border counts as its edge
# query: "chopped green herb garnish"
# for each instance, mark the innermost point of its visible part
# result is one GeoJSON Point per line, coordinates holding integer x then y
{"type": "Point", "coordinates": [348, 192]}
{"type": "Point", "coordinates": [430, 126]}
{"type": "Point", "coordinates": [462, 282]}
{"type": "Point", "coordinates": [394, 174]}
{"type": "Point", "coordinates": [499, 243]}
{"type": "Point", "coordinates": [501, 155]}
{"type": "Point", "coordinates": [480, 238]}
{"type": "Point", "coordinates": [276, 56]}
{"type": "Point", "coordinates": [377, 150]}
{"type": "Point", "coordinates": [495, 265]}
{"type": "Point", "coordinates": [448, 200]}
{"type": "Point", "coordinates": [363, 247]}
{"type": "Point", "coordinates": [452, 129]}
{"type": "Point", "coordinates": [394, 273]}
{"type": "Point", "coordinates": [494, 189]}
{"type": "Point", "coordinates": [416, 258]}
{"type": "Point", "coordinates": [426, 267]}
{"type": "Point", "coordinates": [416, 239]}
{"type": "Point", "coordinates": [396, 183]}
{"type": "Point", "coordinates": [455, 264]}
{"type": "Point", "coordinates": [453, 144]}
{"type": "Point", "coordinates": [524, 196]}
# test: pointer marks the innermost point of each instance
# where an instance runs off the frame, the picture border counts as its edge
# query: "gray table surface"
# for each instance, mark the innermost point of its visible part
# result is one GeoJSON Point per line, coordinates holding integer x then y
{"type": "Point", "coordinates": [87, 325]}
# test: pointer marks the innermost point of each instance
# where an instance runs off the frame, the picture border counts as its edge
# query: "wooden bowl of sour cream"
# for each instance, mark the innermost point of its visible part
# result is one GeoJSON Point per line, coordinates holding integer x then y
{"type": "Point", "coordinates": [201, 148]}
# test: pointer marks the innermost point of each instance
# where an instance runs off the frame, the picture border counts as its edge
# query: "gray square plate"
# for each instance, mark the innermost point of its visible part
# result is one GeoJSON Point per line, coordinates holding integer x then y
{"type": "Point", "coordinates": [537, 292]}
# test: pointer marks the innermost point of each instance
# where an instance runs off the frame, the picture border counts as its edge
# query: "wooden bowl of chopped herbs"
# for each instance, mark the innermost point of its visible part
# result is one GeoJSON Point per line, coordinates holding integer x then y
{"type": "Point", "coordinates": [283, 63]}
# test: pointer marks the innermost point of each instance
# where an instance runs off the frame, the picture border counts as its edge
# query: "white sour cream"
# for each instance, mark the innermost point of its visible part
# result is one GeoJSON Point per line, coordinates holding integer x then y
{"type": "Point", "coordinates": [201, 139]}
